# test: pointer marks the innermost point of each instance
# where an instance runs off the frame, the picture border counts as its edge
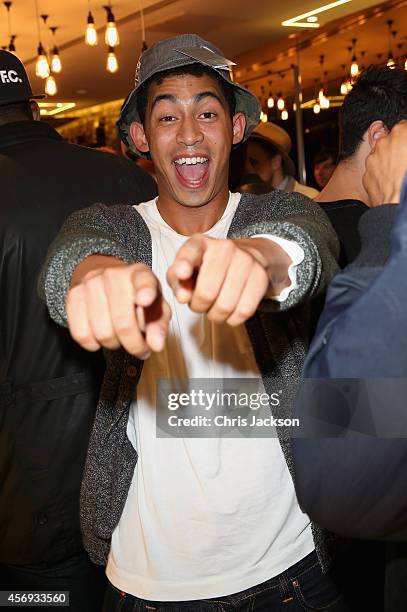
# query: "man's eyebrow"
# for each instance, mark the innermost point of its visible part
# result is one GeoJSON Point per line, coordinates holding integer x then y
{"type": "Point", "coordinates": [200, 96]}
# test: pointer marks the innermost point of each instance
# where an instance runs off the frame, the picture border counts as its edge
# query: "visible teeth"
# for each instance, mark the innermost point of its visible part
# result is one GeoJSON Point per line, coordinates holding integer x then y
{"type": "Point", "coordinates": [191, 160]}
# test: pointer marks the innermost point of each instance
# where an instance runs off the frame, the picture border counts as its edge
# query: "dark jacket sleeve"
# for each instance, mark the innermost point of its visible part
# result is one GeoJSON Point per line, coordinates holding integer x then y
{"type": "Point", "coordinates": [350, 470]}
{"type": "Point", "coordinates": [295, 217]}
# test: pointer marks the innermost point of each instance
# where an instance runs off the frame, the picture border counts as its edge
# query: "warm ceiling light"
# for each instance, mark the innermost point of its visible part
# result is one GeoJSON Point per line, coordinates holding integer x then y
{"type": "Point", "coordinates": [344, 88]}
{"type": "Point", "coordinates": [111, 33]}
{"type": "Point", "coordinates": [263, 117]}
{"type": "Point", "coordinates": [53, 108]}
{"type": "Point", "coordinates": [41, 65]}
{"type": "Point", "coordinates": [312, 19]}
{"type": "Point", "coordinates": [50, 86]}
{"type": "Point", "coordinates": [296, 21]}
{"type": "Point", "coordinates": [284, 115]}
{"type": "Point", "coordinates": [317, 108]}
{"type": "Point", "coordinates": [270, 101]}
{"type": "Point", "coordinates": [390, 61]}
{"type": "Point", "coordinates": [56, 65]}
{"type": "Point", "coordinates": [112, 64]}
{"type": "Point", "coordinates": [91, 35]}
{"type": "Point", "coordinates": [324, 102]}
{"type": "Point", "coordinates": [354, 69]}
{"type": "Point", "coordinates": [405, 64]}
{"type": "Point", "coordinates": [280, 103]}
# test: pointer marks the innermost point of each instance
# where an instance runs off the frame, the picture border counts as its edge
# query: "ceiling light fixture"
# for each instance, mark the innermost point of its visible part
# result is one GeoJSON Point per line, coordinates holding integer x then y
{"type": "Point", "coordinates": [298, 23]}
{"type": "Point", "coordinates": [280, 102]}
{"type": "Point", "coordinates": [41, 65]}
{"type": "Point", "coordinates": [284, 115]}
{"type": "Point", "coordinates": [112, 65]}
{"type": "Point", "coordinates": [12, 37]}
{"type": "Point", "coordinates": [91, 35]}
{"type": "Point", "coordinates": [111, 34]}
{"type": "Point", "coordinates": [56, 64]}
{"type": "Point", "coordinates": [51, 86]}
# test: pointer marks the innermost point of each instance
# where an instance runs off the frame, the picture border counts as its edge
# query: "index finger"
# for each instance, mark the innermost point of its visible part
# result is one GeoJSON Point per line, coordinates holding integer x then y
{"type": "Point", "coordinates": [188, 259]}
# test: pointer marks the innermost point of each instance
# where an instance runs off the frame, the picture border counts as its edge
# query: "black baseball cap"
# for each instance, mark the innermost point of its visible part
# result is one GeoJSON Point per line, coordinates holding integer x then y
{"type": "Point", "coordinates": [14, 83]}
{"type": "Point", "coordinates": [180, 51]}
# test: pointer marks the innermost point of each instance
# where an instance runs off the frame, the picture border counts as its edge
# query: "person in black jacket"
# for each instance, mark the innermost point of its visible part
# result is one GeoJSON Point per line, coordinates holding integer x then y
{"type": "Point", "coordinates": [48, 385]}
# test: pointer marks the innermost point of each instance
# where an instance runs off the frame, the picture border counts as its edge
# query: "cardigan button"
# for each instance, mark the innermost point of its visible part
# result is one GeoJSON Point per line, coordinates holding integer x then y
{"type": "Point", "coordinates": [131, 371]}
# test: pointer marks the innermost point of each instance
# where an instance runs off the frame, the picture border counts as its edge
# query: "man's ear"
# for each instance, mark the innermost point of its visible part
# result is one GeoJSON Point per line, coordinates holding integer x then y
{"type": "Point", "coordinates": [375, 131]}
{"type": "Point", "coordinates": [276, 161]}
{"type": "Point", "coordinates": [35, 109]}
{"type": "Point", "coordinates": [239, 126]}
{"type": "Point", "coordinates": [138, 136]}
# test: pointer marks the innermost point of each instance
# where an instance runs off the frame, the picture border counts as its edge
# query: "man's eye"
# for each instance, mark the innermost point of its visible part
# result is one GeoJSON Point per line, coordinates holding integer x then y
{"type": "Point", "coordinates": [167, 118]}
{"type": "Point", "coordinates": [208, 115]}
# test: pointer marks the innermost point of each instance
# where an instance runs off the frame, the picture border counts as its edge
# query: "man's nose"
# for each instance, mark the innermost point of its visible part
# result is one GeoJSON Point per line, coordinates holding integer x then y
{"type": "Point", "coordinates": [189, 132]}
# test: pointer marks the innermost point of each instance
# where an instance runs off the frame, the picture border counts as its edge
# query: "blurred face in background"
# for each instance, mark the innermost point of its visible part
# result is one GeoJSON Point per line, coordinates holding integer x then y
{"type": "Point", "coordinates": [261, 162]}
{"type": "Point", "coordinates": [323, 171]}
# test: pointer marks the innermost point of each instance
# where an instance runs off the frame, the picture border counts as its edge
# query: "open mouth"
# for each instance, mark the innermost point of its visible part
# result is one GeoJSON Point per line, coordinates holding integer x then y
{"type": "Point", "coordinates": [192, 172]}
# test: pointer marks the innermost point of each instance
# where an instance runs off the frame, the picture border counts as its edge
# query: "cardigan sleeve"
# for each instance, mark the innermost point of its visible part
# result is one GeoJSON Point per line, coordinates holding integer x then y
{"type": "Point", "coordinates": [93, 230]}
{"type": "Point", "coordinates": [297, 218]}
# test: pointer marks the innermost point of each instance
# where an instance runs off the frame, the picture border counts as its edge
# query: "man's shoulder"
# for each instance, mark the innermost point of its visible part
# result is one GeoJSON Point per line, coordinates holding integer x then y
{"type": "Point", "coordinates": [278, 202]}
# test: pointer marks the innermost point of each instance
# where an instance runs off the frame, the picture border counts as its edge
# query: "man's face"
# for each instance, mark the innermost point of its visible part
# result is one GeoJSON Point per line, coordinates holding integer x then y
{"type": "Point", "coordinates": [259, 161]}
{"type": "Point", "coordinates": [323, 171]}
{"type": "Point", "coordinates": [190, 133]}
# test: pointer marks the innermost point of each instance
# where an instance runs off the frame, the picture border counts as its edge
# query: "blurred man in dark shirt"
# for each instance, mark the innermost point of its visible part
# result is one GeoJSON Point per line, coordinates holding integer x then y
{"type": "Point", "coordinates": [376, 103]}
{"type": "Point", "coordinates": [48, 385]}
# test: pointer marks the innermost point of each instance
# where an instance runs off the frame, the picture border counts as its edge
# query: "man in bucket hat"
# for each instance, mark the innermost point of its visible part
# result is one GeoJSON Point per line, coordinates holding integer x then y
{"type": "Point", "coordinates": [48, 385]}
{"type": "Point", "coordinates": [187, 523]}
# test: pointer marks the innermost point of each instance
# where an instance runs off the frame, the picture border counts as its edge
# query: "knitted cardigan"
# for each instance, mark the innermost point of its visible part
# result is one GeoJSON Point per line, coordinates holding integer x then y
{"type": "Point", "coordinates": [278, 333]}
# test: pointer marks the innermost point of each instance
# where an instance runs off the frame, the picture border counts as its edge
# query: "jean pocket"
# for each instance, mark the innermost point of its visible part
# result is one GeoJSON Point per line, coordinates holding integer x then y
{"type": "Point", "coordinates": [316, 591]}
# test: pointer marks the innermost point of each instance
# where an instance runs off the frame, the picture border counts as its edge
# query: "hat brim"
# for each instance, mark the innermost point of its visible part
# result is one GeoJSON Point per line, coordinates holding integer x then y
{"type": "Point", "coordinates": [23, 99]}
{"type": "Point", "coordinates": [288, 164]}
{"type": "Point", "coordinates": [245, 102]}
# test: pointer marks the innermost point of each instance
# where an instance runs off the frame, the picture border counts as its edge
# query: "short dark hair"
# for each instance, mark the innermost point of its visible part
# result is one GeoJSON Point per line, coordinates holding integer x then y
{"type": "Point", "coordinates": [195, 69]}
{"type": "Point", "coordinates": [379, 94]}
{"type": "Point", "coordinates": [16, 111]}
{"type": "Point", "coordinates": [325, 154]}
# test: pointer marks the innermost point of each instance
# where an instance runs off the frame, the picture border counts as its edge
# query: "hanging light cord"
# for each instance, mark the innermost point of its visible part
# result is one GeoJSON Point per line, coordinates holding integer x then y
{"type": "Point", "coordinates": [38, 21]}
{"type": "Point", "coordinates": [8, 5]}
{"type": "Point", "coordinates": [143, 28]}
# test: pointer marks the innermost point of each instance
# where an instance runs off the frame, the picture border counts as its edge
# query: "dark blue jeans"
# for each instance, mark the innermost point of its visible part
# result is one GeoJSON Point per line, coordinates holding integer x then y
{"type": "Point", "coordinates": [301, 587]}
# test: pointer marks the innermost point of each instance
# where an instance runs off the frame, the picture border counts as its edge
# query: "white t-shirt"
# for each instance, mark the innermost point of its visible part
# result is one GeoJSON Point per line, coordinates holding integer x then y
{"type": "Point", "coordinates": [204, 517]}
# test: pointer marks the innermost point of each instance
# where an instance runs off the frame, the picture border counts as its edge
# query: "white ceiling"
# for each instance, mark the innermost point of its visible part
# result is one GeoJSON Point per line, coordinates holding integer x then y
{"type": "Point", "coordinates": [236, 26]}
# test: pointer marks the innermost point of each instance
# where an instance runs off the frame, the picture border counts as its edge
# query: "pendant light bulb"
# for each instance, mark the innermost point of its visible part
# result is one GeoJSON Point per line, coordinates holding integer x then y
{"type": "Point", "coordinates": [405, 64]}
{"type": "Point", "coordinates": [270, 101]}
{"type": "Point", "coordinates": [354, 69]}
{"type": "Point", "coordinates": [317, 108]}
{"type": "Point", "coordinates": [112, 64]}
{"type": "Point", "coordinates": [280, 103]}
{"type": "Point", "coordinates": [263, 117]}
{"type": "Point", "coordinates": [324, 103]}
{"type": "Point", "coordinates": [390, 61]}
{"type": "Point", "coordinates": [284, 115]}
{"type": "Point", "coordinates": [50, 86]}
{"type": "Point", "coordinates": [56, 65]}
{"type": "Point", "coordinates": [42, 66]}
{"type": "Point", "coordinates": [111, 33]}
{"type": "Point", "coordinates": [344, 88]}
{"type": "Point", "coordinates": [91, 35]}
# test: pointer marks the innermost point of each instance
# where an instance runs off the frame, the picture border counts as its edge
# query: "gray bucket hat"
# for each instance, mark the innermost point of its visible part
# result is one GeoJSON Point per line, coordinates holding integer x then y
{"type": "Point", "coordinates": [181, 51]}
